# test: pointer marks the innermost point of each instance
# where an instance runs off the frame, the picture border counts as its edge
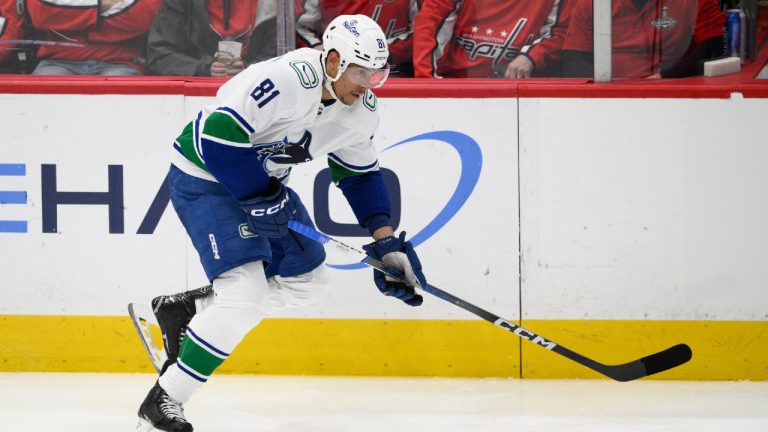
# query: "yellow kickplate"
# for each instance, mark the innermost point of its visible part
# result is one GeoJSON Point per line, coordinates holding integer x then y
{"type": "Point", "coordinates": [722, 350]}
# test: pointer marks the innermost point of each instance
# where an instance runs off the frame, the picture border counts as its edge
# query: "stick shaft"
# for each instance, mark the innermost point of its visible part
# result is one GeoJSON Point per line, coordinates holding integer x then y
{"type": "Point", "coordinates": [654, 363]}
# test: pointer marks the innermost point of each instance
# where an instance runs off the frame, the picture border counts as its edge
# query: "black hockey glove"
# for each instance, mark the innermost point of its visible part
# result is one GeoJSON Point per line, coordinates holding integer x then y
{"type": "Point", "coordinates": [268, 215]}
{"type": "Point", "coordinates": [399, 255]}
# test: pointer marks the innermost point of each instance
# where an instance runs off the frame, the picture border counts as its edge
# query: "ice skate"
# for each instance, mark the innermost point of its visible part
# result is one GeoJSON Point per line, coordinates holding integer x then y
{"type": "Point", "coordinates": [161, 412]}
{"type": "Point", "coordinates": [173, 314]}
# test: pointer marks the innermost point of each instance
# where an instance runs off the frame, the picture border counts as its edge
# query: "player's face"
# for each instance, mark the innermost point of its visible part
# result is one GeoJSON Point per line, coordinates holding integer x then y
{"type": "Point", "coordinates": [355, 80]}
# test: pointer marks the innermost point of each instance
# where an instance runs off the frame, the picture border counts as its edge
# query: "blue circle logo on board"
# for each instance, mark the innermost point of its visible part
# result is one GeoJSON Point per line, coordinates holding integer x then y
{"type": "Point", "coordinates": [471, 165]}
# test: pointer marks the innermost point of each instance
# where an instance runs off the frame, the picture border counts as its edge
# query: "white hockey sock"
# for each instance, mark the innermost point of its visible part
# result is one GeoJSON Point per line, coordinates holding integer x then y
{"type": "Point", "coordinates": [212, 334]}
{"type": "Point", "coordinates": [178, 384]}
{"type": "Point", "coordinates": [203, 303]}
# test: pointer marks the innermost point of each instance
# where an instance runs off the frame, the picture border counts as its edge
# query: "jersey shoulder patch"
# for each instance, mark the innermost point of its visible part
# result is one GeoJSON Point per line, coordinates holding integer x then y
{"type": "Point", "coordinates": [369, 100]}
{"type": "Point", "coordinates": [308, 77]}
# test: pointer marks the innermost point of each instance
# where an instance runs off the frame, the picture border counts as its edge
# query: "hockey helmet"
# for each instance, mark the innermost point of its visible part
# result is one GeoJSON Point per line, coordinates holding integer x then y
{"type": "Point", "coordinates": [359, 40]}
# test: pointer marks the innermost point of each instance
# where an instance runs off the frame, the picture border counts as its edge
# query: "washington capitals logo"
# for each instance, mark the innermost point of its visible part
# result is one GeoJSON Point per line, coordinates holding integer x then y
{"type": "Point", "coordinates": [501, 50]}
{"type": "Point", "coordinates": [665, 22]}
{"type": "Point", "coordinates": [285, 152]}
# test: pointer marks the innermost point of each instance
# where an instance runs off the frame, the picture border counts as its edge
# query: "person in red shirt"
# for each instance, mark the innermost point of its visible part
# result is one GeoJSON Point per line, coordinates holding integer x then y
{"type": "Point", "coordinates": [11, 29]}
{"type": "Point", "coordinates": [94, 37]}
{"type": "Point", "coordinates": [394, 16]}
{"type": "Point", "coordinates": [215, 38]}
{"type": "Point", "coordinates": [650, 38]}
{"type": "Point", "coordinates": [489, 38]}
{"type": "Point", "coordinates": [13, 56]}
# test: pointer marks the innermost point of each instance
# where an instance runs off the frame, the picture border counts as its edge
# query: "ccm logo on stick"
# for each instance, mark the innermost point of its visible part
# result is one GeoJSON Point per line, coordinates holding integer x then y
{"type": "Point", "coordinates": [525, 334]}
{"type": "Point", "coordinates": [270, 210]}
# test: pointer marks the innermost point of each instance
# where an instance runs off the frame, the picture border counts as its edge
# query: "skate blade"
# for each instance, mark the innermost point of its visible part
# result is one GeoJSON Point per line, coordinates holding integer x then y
{"type": "Point", "coordinates": [145, 426]}
{"type": "Point", "coordinates": [144, 321]}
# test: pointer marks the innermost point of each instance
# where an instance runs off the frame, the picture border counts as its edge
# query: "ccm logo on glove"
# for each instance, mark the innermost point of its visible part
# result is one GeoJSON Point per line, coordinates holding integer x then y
{"type": "Point", "coordinates": [268, 214]}
{"type": "Point", "coordinates": [270, 210]}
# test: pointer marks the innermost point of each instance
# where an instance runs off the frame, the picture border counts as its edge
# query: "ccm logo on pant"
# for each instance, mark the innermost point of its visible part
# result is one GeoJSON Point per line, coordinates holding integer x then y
{"type": "Point", "coordinates": [270, 210]}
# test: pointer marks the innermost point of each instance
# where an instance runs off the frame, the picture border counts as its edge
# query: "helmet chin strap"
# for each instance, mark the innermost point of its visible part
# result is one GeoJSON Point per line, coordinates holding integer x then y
{"type": "Point", "coordinates": [328, 81]}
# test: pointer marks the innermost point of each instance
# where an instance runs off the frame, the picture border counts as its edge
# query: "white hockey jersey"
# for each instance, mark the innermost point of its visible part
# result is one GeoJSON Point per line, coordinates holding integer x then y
{"type": "Point", "coordinates": [270, 118]}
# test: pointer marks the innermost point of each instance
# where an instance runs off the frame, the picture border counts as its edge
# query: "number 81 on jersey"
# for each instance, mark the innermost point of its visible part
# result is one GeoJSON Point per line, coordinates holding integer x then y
{"type": "Point", "coordinates": [266, 88]}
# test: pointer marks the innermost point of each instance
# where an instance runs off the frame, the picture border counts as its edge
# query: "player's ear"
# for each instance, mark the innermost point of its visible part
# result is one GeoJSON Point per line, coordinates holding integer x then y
{"type": "Point", "coordinates": [332, 63]}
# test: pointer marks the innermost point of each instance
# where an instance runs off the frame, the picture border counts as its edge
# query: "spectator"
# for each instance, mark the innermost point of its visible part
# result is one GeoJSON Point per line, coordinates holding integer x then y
{"type": "Point", "coordinates": [192, 37]}
{"type": "Point", "coordinates": [104, 37]}
{"type": "Point", "coordinates": [11, 29]}
{"type": "Point", "coordinates": [650, 38]}
{"type": "Point", "coordinates": [489, 38]}
{"type": "Point", "coordinates": [394, 16]}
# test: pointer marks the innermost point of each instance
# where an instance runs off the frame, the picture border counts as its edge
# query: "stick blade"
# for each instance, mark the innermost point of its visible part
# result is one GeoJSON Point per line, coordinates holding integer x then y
{"type": "Point", "coordinates": [668, 359]}
{"type": "Point", "coordinates": [659, 362]}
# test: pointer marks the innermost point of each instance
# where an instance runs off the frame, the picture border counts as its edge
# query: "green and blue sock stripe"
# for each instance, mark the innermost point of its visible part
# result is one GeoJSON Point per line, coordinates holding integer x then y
{"type": "Point", "coordinates": [199, 358]}
{"type": "Point", "coordinates": [188, 370]}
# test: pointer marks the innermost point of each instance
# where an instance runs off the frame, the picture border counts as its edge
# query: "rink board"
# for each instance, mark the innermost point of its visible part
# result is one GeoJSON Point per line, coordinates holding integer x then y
{"type": "Point", "coordinates": [615, 226]}
{"type": "Point", "coordinates": [124, 243]}
{"type": "Point", "coordinates": [722, 350]}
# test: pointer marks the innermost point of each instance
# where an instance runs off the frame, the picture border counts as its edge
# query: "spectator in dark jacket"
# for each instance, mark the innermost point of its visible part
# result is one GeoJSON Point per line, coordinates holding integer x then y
{"type": "Point", "coordinates": [211, 37]}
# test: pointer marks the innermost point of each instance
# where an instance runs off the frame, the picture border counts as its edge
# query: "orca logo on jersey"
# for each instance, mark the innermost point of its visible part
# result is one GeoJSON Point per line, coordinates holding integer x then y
{"type": "Point", "coordinates": [471, 165]}
{"type": "Point", "coordinates": [285, 152]}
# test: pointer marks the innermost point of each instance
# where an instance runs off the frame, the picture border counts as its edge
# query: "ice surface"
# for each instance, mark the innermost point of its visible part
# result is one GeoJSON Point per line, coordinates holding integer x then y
{"type": "Point", "coordinates": [232, 403]}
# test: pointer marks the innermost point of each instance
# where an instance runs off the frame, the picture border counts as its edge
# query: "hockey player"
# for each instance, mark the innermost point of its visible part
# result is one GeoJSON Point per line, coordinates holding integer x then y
{"type": "Point", "coordinates": [489, 38]}
{"type": "Point", "coordinates": [228, 186]}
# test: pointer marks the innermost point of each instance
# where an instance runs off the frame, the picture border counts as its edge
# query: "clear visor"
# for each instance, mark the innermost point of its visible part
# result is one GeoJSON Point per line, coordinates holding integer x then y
{"type": "Point", "coordinates": [366, 77]}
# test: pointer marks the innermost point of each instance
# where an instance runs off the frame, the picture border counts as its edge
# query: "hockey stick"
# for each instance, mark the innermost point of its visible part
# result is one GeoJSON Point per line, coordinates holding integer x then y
{"type": "Point", "coordinates": [648, 365]}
